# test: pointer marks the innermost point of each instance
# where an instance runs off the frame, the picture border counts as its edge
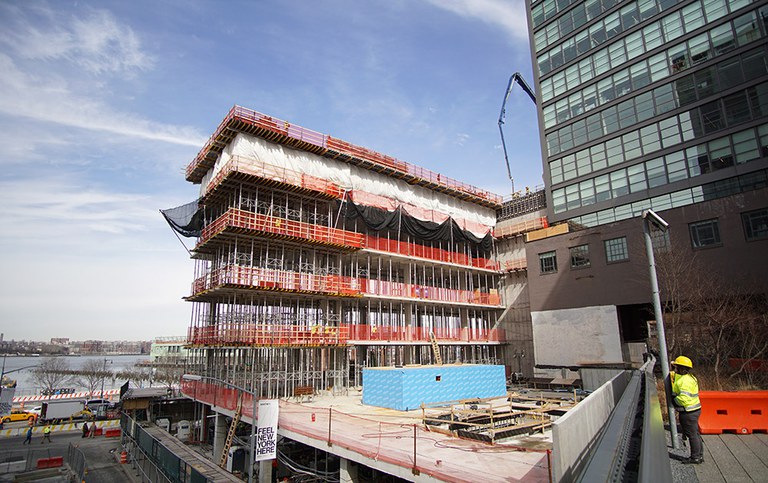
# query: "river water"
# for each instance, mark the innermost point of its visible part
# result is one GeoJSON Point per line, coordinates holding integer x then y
{"type": "Point", "coordinates": [25, 382]}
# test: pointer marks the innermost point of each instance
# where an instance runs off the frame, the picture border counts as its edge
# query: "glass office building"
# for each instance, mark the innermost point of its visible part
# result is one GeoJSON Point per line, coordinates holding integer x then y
{"type": "Point", "coordinates": [658, 104]}
{"type": "Point", "coordinates": [649, 103]}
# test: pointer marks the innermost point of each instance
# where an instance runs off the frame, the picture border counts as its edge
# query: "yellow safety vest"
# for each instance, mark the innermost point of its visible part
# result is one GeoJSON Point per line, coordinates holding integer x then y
{"type": "Point", "coordinates": [46, 430]}
{"type": "Point", "coordinates": [685, 389]}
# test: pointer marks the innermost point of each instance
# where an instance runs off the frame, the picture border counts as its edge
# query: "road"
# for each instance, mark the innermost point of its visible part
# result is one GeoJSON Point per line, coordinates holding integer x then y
{"type": "Point", "coordinates": [102, 466]}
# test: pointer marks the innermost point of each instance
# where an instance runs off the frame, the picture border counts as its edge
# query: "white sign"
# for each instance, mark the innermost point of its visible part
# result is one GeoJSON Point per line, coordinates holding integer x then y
{"type": "Point", "coordinates": [266, 430]}
{"type": "Point", "coordinates": [6, 400]}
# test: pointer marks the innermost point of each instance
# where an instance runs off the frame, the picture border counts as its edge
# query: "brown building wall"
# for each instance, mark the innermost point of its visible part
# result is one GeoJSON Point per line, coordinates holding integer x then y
{"type": "Point", "coordinates": [744, 263]}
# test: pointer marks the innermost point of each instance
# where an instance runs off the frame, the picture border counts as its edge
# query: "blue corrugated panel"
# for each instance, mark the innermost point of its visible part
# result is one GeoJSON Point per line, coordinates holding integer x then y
{"type": "Point", "coordinates": [406, 388]}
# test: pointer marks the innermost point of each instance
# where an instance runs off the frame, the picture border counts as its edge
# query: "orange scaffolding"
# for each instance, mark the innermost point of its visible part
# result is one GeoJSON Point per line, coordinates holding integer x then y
{"type": "Point", "coordinates": [268, 335]}
{"type": "Point", "coordinates": [427, 253]}
{"type": "Point", "coordinates": [255, 223]}
{"type": "Point", "coordinates": [272, 335]}
{"type": "Point", "coordinates": [301, 282]}
{"type": "Point", "coordinates": [276, 130]}
{"type": "Point", "coordinates": [272, 226]}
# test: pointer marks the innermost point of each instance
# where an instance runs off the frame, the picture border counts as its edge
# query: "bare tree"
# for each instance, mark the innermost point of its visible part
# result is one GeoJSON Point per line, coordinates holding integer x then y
{"type": "Point", "coordinates": [52, 373]}
{"type": "Point", "coordinates": [709, 319]}
{"type": "Point", "coordinates": [90, 375]}
{"type": "Point", "coordinates": [138, 374]}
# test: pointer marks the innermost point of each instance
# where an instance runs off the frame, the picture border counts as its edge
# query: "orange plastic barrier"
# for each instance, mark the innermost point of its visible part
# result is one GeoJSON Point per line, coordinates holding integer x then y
{"type": "Point", "coordinates": [112, 433]}
{"type": "Point", "coordinates": [53, 462]}
{"type": "Point", "coordinates": [741, 412]}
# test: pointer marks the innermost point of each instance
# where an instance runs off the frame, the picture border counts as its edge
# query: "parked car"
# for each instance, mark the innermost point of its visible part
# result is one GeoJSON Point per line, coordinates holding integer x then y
{"type": "Point", "coordinates": [19, 415]}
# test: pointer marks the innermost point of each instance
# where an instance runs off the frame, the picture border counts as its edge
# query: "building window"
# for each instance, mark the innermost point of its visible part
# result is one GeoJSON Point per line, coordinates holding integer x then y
{"type": "Point", "coordinates": [580, 256]}
{"type": "Point", "coordinates": [755, 224]}
{"type": "Point", "coordinates": [548, 262]}
{"type": "Point", "coordinates": [705, 233]}
{"type": "Point", "coordinates": [616, 250]}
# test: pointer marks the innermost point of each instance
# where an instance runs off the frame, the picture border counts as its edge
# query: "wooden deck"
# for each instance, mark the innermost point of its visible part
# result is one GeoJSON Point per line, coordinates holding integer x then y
{"type": "Point", "coordinates": [734, 458]}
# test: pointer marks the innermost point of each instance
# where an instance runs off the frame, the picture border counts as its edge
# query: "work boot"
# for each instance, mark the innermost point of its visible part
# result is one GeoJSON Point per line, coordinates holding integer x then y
{"type": "Point", "coordinates": [693, 461]}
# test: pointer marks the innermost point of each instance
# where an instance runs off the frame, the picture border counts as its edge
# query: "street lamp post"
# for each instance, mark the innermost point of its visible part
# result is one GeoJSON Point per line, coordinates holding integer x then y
{"type": "Point", "coordinates": [650, 217]}
{"type": "Point", "coordinates": [195, 377]}
{"type": "Point", "coordinates": [3, 372]}
{"type": "Point", "coordinates": [103, 375]}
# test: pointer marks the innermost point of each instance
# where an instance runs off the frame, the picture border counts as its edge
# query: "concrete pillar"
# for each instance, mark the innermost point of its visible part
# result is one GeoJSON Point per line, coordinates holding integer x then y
{"type": "Point", "coordinates": [219, 436]}
{"type": "Point", "coordinates": [265, 471]}
{"type": "Point", "coordinates": [347, 471]}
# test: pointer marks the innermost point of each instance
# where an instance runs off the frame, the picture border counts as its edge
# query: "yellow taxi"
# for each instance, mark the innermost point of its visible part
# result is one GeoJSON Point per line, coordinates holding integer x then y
{"type": "Point", "coordinates": [19, 415]}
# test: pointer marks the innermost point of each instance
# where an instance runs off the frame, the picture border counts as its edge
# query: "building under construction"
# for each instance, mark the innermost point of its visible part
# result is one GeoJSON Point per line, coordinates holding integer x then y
{"type": "Point", "coordinates": [317, 258]}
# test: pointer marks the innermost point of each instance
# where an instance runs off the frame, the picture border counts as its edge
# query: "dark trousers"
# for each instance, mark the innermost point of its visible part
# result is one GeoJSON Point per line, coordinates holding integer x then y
{"type": "Point", "coordinates": [690, 423]}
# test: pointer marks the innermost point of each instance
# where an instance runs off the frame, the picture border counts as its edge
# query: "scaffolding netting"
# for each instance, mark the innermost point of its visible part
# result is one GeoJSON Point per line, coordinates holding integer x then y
{"type": "Point", "coordinates": [186, 220]}
{"type": "Point", "coordinates": [378, 219]}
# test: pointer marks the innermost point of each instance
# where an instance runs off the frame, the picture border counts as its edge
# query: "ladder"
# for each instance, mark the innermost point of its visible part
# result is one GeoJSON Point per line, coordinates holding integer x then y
{"type": "Point", "coordinates": [435, 349]}
{"type": "Point", "coordinates": [231, 433]}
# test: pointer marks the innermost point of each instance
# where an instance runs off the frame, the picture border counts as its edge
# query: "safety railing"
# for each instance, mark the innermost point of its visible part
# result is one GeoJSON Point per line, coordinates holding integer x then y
{"type": "Point", "coordinates": [520, 228]}
{"type": "Point", "coordinates": [298, 133]}
{"type": "Point", "coordinates": [281, 280]}
{"type": "Point", "coordinates": [422, 334]}
{"type": "Point", "coordinates": [427, 253]}
{"type": "Point", "coordinates": [272, 173]}
{"type": "Point", "coordinates": [234, 334]}
{"type": "Point", "coordinates": [273, 225]}
{"type": "Point", "coordinates": [268, 335]}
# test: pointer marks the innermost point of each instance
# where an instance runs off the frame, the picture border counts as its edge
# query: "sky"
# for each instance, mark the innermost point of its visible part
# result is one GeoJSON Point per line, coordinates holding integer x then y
{"type": "Point", "coordinates": [104, 103]}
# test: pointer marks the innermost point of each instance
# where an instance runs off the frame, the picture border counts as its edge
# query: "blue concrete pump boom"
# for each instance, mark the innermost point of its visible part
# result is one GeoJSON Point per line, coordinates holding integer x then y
{"type": "Point", "coordinates": [516, 77]}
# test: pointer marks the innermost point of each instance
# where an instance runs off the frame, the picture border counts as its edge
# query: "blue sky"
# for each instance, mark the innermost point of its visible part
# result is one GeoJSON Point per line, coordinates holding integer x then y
{"type": "Point", "coordinates": [103, 104]}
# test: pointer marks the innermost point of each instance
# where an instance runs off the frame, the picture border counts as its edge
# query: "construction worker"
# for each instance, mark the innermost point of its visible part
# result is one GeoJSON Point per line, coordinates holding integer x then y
{"type": "Point", "coordinates": [685, 390]}
{"type": "Point", "coordinates": [46, 434]}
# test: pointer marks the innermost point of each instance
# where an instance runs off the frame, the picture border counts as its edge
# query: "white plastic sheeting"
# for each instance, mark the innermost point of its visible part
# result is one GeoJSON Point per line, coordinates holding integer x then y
{"type": "Point", "coordinates": [354, 178]}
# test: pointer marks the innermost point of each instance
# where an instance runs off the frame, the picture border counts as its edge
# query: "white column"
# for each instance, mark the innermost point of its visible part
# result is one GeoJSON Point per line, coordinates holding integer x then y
{"type": "Point", "coordinates": [347, 471]}
{"type": "Point", "coordinates": [265, 471]}
{"type": "Point", "coordinates": [219, 436]}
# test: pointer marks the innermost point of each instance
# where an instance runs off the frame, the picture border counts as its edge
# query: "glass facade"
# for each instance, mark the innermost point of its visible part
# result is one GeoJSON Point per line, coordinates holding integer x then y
{"type": "Point", "coordinates": [649, 103]}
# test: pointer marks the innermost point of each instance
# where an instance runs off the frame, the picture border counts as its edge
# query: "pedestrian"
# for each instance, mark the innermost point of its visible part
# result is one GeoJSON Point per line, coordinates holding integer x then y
{"type": "Point", "coordinates": [28, 439]}
{"type": "Point", "coordinates": [92, 431]}
{"type": "Point", "coordinates": [85, 430]}
{"type": "Point", "coordinates": [46, 434]}
{"type": "Point", "coordinates": [685, 390]}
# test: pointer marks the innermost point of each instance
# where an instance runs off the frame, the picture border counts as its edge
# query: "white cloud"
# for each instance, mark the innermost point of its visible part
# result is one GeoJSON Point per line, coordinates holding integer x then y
{"type": "Point", "coordinates": [41, 207]}
{"type": "Point", "coordinates": [507, 14]}
{"type": "Point", "coordinates": [62, 70]}
{"type": "Point", "coordinates": [96, 41]}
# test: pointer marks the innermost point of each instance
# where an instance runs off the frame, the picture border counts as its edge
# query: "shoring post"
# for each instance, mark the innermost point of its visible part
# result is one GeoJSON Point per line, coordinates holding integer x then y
{"type": "Point", "coordinates": [549, 464]}
{"type": "Point", "coordinates": [330, 414]}
{"type": "Point", "coordinates": [414, 470]}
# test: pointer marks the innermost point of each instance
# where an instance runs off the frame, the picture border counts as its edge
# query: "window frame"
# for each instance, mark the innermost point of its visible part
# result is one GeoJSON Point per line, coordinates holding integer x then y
{"type": "Point", "coordinates": [747, 224]}
{"type": "Point", "coordinates": [579, 256]}
{"type": "Point", "coordinates": [545, 256]}
{"type": "Point", "coordinates": [696, 235]}
{"type": "Point", "coordinates": [611, 252]}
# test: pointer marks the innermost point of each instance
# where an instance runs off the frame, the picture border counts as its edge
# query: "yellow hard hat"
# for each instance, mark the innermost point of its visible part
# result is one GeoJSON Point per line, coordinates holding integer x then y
{"type": "Point", "coordinates": [683, 361]}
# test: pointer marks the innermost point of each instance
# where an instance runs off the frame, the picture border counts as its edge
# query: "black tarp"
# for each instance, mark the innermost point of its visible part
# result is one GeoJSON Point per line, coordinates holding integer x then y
{"type": "Point", "coordinates": [377, 219]}
{"type": "Point", "coordinates": [186, 220]}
